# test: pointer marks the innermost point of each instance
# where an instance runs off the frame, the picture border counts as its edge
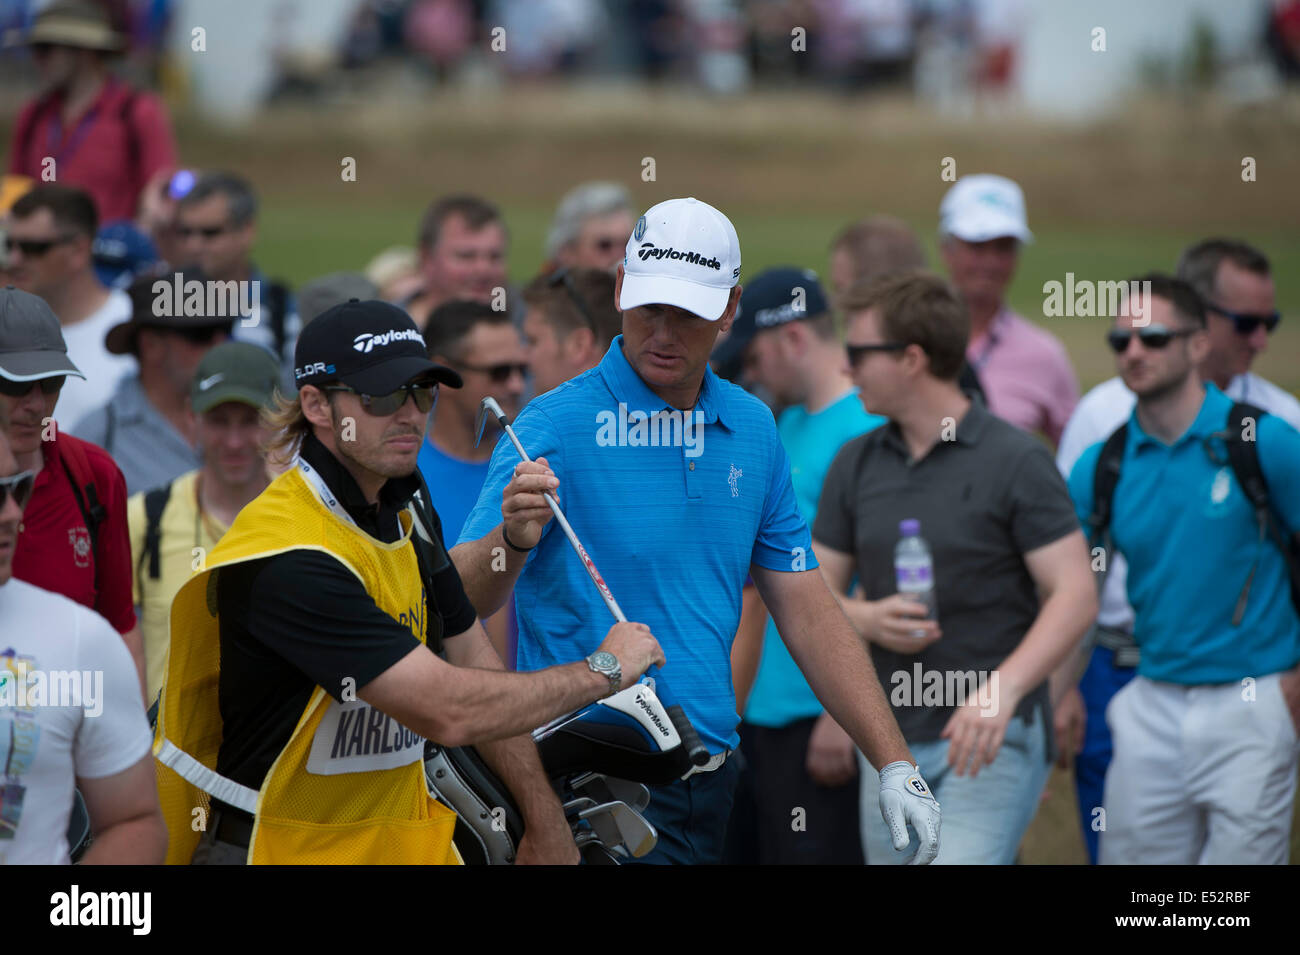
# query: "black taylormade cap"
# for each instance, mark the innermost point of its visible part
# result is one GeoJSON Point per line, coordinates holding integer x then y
{"type": "Point", "coordinates": [372, 346]}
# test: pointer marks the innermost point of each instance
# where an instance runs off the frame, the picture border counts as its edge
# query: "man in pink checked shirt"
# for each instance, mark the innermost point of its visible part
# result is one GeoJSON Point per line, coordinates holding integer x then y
{"type": "Point", "coordinates": [1023, 368]}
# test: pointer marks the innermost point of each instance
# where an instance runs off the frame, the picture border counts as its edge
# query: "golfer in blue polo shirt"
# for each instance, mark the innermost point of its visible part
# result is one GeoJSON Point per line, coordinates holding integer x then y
{"type": "Point", "coordinates": [1205, 740]}
{"type": "Point", "coordinates": [678, 486]}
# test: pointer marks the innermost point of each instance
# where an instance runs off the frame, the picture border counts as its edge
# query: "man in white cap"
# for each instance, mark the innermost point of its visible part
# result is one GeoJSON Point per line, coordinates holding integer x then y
{"type": "Point", "coordinates": [678, 487]}
{"type": "Point", "coordinates": [1024, 369]}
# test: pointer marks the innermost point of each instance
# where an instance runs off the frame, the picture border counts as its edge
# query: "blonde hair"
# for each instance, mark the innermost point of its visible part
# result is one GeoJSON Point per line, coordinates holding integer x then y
{"type": "Point", "coordinates": [288, 426]}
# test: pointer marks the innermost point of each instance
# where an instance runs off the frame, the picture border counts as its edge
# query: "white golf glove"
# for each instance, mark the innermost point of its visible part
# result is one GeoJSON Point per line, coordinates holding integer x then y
{"type": "Point", "coordinates": [904, 798]}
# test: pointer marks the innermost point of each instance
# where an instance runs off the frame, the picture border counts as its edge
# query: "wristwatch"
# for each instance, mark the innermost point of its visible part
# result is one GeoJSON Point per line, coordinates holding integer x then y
{"type": "Point", "coordinates": [606, 664]}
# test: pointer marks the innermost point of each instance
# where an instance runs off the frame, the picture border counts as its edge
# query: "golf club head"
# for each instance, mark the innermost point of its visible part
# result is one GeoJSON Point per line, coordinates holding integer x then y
{"type": "Point", "coordinates": [618, 824]}
{"type": "Point", "coordinates": [488, 407]}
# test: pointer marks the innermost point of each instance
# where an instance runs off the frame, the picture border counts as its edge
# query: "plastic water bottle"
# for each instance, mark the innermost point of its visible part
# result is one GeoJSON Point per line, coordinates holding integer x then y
{"type": "Point", "coordinates": [914, 568]}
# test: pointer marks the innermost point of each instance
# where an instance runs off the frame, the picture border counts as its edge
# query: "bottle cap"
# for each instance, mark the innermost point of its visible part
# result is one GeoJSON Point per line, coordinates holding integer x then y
{"type": "Point", "coordinates": [910, 527]}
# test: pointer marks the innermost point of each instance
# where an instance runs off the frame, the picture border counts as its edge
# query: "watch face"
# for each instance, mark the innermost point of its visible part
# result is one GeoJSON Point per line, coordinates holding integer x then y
{"type": "Point", "coordinates": [604, 660]}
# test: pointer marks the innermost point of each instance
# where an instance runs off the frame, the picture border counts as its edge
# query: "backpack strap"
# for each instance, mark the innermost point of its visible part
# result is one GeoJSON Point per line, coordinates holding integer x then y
{"type": "Point", "coordinates": [126, 114]}
{"type": "Point", "coordinates": [277, 296]}
{"type": "Point", "coordinates": [23, 135]}
{"type": "Point", "coordinates": [1104, 481]}
{"type": "Point", "coordinates": [1243, 456]}
{"type": "Point", "coordinates": [155, 502]}
{"type": "Point", "coordinates": [77, 467]}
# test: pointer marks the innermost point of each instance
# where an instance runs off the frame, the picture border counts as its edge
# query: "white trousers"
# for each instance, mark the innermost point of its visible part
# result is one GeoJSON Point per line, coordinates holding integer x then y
{"type": "Point", "coordinates": [1201, 774]}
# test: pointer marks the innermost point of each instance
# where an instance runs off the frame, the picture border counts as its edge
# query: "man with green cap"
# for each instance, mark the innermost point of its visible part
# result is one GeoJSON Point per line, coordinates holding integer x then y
{"type": "Point", "coordinates": [174, 526]}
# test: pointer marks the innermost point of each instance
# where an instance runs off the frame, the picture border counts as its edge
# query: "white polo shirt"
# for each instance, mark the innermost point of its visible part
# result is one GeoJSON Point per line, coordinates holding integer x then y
{"type": "Point", "coordinates": [1109, 405]}
{"type": "Point", "coordinates": [51, 736]}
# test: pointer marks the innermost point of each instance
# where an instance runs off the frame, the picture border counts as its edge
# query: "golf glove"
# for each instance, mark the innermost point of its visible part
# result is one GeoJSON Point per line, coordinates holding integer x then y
{"type": "Point", "coordinates": [905, 798]}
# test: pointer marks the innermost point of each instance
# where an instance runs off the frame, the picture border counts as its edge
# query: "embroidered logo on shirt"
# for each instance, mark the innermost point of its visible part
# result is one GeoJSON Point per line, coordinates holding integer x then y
{"type": "Point", "coordinates": [733, 478]}
{"type": "Point", "coordinates": [1220, 488]}
{"type": "Point", "coordinates": [79, 538]}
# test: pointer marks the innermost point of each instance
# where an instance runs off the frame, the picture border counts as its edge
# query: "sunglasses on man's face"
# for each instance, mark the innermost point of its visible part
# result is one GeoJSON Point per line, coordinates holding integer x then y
{"type": "Point", "coordinates": [424, 394]}
{"type": "Point", "coordinates": [499, 374]}
{"type": "Point", "coordinates": [1153, 337]}
{"type": "Point", "coordinates": [19, 486]}
{"type": "Point", "coordinates": [207, 231]}
{"type": "Point", "coordinates": [34, 248]}
{"type": "Point", "coordinates": [199, 334]}
{"type": "Point", "coordinates": [1245, 323]}
{"type": "Point", "coordinates": [17, 389]}
{"type": "Point", "coordinates": [858, 352]}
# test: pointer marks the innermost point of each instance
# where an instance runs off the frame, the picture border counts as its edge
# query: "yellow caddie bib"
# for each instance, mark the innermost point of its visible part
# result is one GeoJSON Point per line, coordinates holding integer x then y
{"type": "Point", "coordinates": [349, 787]}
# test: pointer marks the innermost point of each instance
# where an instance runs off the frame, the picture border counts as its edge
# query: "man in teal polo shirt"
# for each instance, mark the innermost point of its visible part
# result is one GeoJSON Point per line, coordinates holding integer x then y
{"type": "Point", "coordinates": [678, 486]}
{"type": "Point", "coordinates": [1204, 769]}
{"type": "Point", "coordinates": [795, 754]}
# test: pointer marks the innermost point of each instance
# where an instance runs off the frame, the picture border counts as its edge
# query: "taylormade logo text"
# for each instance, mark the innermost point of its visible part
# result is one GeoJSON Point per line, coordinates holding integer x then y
{"type": "Point", "coordinates": [650, 712]}
{"type": "Point", "coordinates": [367, 341]}
{"type": "Point", "coordinates": [650, 251]}
{"type": "Point", "coordinates": [663, 429]}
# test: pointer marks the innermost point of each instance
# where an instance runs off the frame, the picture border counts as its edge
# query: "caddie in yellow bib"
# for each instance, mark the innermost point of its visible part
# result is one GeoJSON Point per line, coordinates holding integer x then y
{"type": "Point", "coordinates": [300, 681]}
{"type": "Point", "coordinates": [349, 786]}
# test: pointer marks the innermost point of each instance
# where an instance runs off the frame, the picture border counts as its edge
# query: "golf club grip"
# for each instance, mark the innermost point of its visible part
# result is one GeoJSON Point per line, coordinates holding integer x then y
{"type": "Point", "coordinates": [696, 752]}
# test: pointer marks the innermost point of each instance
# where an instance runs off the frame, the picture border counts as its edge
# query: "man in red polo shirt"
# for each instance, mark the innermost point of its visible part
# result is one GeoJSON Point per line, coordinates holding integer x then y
{"type": "Point", "coordinates": [102, 135]}
{"type": "Point", "coordinates": [73, 538]}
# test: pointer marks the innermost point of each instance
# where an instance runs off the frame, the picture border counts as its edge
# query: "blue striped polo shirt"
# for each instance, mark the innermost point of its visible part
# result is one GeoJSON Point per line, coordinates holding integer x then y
{"type": "Point", "coordinates": [672, 506]}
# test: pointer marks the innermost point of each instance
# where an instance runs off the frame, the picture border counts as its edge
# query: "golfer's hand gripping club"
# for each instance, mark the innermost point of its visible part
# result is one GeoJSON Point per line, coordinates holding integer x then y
{"type": "Point", "coordinates": [696, 752]}
{"type": "Point", "coordinates": [905, 798]}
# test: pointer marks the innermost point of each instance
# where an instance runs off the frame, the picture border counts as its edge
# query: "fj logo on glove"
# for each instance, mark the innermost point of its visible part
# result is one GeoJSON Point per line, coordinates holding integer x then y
{"type": "Point", "coordinates": [917, 783]}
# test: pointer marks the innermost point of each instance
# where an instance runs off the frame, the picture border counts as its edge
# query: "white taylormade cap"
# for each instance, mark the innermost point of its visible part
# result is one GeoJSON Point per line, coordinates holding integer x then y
{"type": "Point", "coordinates": [683, 252]}
{"type": "Point", "coordinates": [982, 207]}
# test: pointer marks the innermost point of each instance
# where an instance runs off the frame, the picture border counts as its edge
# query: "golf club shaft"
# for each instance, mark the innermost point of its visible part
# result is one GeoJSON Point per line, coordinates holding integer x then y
{"type": "Point", "coordinates": [696, 752]}
{"type": "Point", "coordinates": [587, 562]}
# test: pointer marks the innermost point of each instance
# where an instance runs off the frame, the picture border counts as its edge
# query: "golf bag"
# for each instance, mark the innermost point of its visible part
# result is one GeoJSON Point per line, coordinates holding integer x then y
{"type": "Point", "coordinates": [599, 758]}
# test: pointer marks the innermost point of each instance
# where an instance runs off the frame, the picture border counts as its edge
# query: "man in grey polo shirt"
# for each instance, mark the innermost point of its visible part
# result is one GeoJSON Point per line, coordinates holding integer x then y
{"type": "Point", "coordinates": [147, 426]}
{"type": "Point", "coordinates": [969, 690]}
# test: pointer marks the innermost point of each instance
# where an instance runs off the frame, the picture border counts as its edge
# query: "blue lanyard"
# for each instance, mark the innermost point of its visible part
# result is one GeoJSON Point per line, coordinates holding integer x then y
{"type": "Point", "coordinates": [55, 131]}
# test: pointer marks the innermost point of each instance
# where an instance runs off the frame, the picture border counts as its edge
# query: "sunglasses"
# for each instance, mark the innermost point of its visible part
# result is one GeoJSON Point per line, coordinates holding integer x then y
{"type": "Point", "coordinates": [207, 231]}
{"type": "Point", "coordinates": [196, 334]}
{"type": "Point", "coordinates": [20, 486]}
{"type": "Point", "coordinates": [16, 389]}
{"type": "Point", "coordinates": [499, 374]}
{"type": "Point", "coordinates": [1153, 336]}
{"type": "Point", "coordinates": [856, 352]}
{"type": "Point", "coordinates": [1246, 324]}
{"type": "Point", "coordinates": [565, 277]}
{"type": "Point", "coordinates": [34, 248]}
{"type": "Point", "coordinates": [424, 395]}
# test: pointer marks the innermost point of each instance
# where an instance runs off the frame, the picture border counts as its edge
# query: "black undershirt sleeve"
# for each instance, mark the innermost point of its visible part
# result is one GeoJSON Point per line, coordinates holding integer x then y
{"type": "Point", "coordinates": [310, 610]}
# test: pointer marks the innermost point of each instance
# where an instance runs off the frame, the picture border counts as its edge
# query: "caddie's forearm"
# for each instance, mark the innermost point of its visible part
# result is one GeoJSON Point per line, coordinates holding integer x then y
{"type": "Point", "coordinates": [488, 569]}
{"type": "Point", "coordinates": [516, 762]}
{"type": "Point", "coordinates": [1052, 640]}
{"type": "Point", "coordinates": [515, 759]}
{"type": "Point", "coordinates": [485, 705]}
{"type": "Point", "coordinates": [839, 669]}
